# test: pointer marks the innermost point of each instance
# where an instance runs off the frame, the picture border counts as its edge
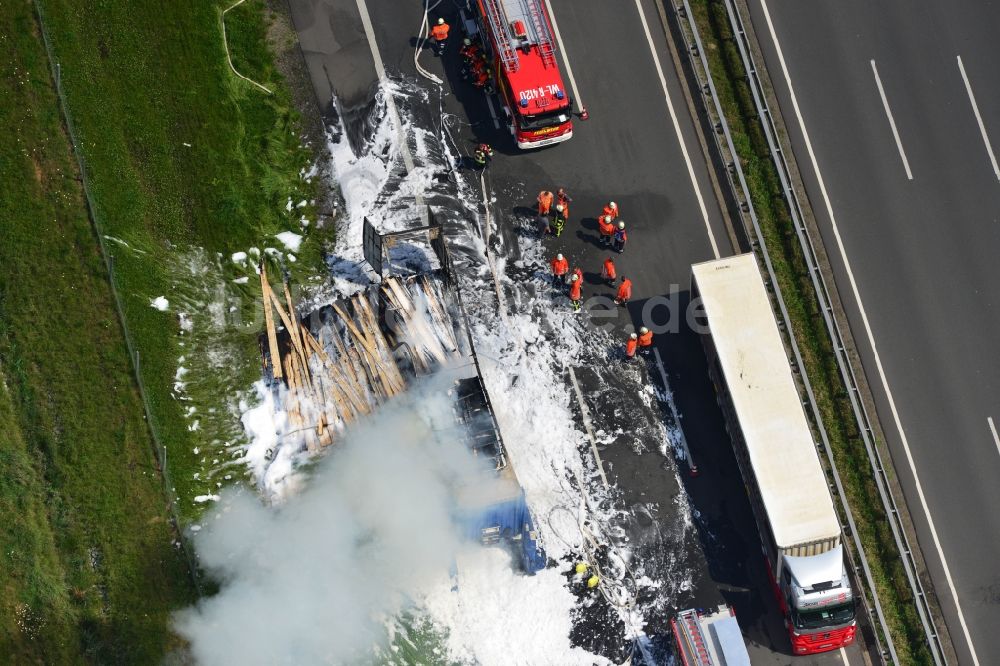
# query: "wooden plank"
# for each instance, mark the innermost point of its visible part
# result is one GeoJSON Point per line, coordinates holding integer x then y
{"type": "Point", "coordinates": [439, 311]}
{"type": "Point", "coordinates": [406, 323]}
{"type": "Point", "coordinates": [369, 360]}
{"type": "Point", "coordinates": [419, 322]}
{"type": "Point", "coordinates": [341, 387]}
{"type": "Point", "coordinates": [345, 361]}
{"type": "Point", "coordinates": [272, 336]}
{"type": "Point", "coordinates": [385, 361]}
{"type": "Point", "coordinates": [296, 330]}
{"type": "Point", "coordinates": [295, 377]}
{"type": "Point", "coordinates": [296, 342]}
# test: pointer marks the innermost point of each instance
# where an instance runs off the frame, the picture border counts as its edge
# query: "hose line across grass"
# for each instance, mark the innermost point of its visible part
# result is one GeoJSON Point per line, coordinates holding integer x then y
{"type": "Point", "coordinates": [229, 57]}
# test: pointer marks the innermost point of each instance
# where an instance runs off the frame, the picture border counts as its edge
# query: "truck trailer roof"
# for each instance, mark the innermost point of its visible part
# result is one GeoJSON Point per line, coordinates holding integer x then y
{"type": "Point", "coordinates": [778, 439]}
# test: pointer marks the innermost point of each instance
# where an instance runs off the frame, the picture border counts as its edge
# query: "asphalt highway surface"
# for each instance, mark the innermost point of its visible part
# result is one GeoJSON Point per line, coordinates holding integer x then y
{"type": "Point", "coordinates": [639, 148]}
{"type": "Point", "coordinates": [894, 124]}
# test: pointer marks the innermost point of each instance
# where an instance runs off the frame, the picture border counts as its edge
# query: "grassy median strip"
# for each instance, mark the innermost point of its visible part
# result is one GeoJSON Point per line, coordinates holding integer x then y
{"type": "Point", "coordinates": [184, 161]}
{"type": "Point", "coordinates": [814, 342]}
{"type": "Point", "coordinates": [89, 567]}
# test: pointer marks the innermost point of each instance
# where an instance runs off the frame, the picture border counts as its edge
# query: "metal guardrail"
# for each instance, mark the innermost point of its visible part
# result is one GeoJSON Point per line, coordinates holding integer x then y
{"type": "Point", "coordinates": [836, 336]}
{"type": "Point", "coordinates": [739, 184]}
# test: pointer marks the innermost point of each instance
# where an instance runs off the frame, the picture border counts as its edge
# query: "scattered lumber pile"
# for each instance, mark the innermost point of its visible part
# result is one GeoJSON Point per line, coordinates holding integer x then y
{"type": "Point", "coordinates": [352, 362]}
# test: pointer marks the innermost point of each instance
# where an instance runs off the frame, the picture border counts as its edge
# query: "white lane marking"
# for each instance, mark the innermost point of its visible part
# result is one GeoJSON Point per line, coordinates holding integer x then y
{"type": "Point", "coordinates": [892, 122]}
{"type": "Point", "coordinates": [565, 58]}
{"type": "Point", "coordinates": [677, 129]}
{"type": "Point", "coordinates": [993, 429]}
{"type": "Point", "coordinates": [673, 412]}
{"type": "Point", "coordinates": [871, 337]}
{"type": "Point", "coordinates": [979, 118]}
{"type": "Point", "coordinates": [585, 413]}
{"type": "Point", "coordinates": [493, 112]}
{"type": "Point", "coordinates": [843, 655]}
{"type": "Point", "coordinates": [404, 146]}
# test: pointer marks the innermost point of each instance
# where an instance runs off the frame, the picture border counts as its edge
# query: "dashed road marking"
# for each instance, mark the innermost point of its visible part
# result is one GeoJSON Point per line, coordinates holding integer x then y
{"type": "Point", "coordinates": [993, 429]}
{"type": "Point", "coordinates": [892, 122]}
{"type": "Point", "coordinates": [979, 118]}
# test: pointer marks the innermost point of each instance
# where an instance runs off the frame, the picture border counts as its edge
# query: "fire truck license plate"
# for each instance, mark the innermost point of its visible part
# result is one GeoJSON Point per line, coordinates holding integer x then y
{"type": "Point", "coordinates": [549, 90]}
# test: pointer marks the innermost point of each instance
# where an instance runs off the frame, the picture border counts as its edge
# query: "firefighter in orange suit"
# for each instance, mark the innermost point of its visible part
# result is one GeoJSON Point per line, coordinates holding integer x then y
{"type": "Point", "coordinates": [560, 267]}
{"type": "Point", "coordinates": [631, 345]}
{"type": "Point", "coordinates": [439, 33]}
{"type": "Point", "coordinates": [544, 202]}
{"type": "Point", "coordinates": [608, 272]}
{"type": "Point", "coordinates": [645, 340]}
{"type": "Point", "coordinates": [605, 224]}
{"type": "Point", "coordinates": [575, 291]}
{"type": "Point", "coordinates": [563, 199]}
{"type": "Point", "coordinates": [624, 291]}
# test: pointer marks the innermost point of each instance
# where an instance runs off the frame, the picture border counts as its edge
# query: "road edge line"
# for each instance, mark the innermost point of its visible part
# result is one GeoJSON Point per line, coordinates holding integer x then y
{"type": "Point", "coordinates": [677, 128]}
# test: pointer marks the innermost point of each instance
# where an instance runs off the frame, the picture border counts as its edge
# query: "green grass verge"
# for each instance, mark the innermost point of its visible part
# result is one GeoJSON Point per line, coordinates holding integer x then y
{"type": "Point", "coordinates": [184, 160]}
{"type": "Point", "coordinates": [89, 571]}
{"type": "Point", "coordinates": [814, 342]}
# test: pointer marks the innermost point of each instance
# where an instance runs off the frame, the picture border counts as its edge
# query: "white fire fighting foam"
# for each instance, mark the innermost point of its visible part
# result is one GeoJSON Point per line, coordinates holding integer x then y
{"type": "Point", "coordinates": [489, 614]}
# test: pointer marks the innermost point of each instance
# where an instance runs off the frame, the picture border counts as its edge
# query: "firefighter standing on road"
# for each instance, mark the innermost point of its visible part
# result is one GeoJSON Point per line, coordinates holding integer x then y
{"type": "Point", "coordinates": [575, 291]}
{"type": "Point", "coordinates": [631, 345]}
{"type": "Point", "coordinates": [439, 33]}
{"type": "Point", "coordinates": [559, 220]}
{"type": "Point", "coordinates": [482, 155]}
{"type": "Point", "coordinates": [608, 272]}
{"type": "Point", "coordinates": [645, 340]}
{"type": "Point", "coordinates": [624, 291]}
{"type": "Point", "coordinates": [620, 238]}
{"type": "Point", "coordinates": [563, 200]}
{"type": "Point", "coordinates": [606, 228]}
{"type": "Point", "coordinates": [560, 267]}
{"type": "Point", "coordinates": [544, 202]}
{"type": "Point", "coordinates": [611, 209]}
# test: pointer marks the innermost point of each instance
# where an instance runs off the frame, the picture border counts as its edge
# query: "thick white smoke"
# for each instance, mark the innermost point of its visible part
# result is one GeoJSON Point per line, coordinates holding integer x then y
{"type": "Point", "coordinates": [315, 579]}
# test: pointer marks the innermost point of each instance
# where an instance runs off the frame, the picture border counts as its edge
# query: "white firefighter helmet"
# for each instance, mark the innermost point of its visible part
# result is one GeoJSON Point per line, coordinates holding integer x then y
{"type": "Point", "coordinates": [574, 278]}
{"type": "Point", "coordinates": [559, 207]}
{"type": "Point", "coordinates": [607, 219]}
{"type": "Point", "coordinates": [633, 336]}
{"type": "Point", "coordinates": [612, 205]}
{"type": "Point", "coordinates": [643, 330]}
{"type": "Point", "coordinates": [621, 225]}
{"type": "Point", "coordinates": [440, 21]}
{"type": "Point", "coordinates": [559, 257]}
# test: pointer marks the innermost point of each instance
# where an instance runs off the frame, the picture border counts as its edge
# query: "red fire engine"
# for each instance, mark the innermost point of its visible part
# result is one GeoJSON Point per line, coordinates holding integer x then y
{"type": "Point", "coordinates": [518, 37]}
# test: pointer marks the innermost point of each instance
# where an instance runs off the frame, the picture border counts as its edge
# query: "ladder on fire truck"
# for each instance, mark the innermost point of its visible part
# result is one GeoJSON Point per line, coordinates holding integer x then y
{"type": "Point", "coordinates": [691, 640]}
{"type": "Point", "coordinates": [503, 15]}
{"type": "Point", "coordinates": [710, 638]}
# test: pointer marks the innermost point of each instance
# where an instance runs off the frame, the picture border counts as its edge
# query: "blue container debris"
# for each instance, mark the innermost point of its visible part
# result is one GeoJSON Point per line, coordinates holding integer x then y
{"type": "Point", "coordinates": [507, 522]}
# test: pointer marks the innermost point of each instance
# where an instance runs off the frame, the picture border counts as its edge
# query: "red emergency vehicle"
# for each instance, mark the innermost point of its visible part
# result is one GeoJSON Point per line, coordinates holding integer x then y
{"type": "Point", "coordinates": [518, 37]}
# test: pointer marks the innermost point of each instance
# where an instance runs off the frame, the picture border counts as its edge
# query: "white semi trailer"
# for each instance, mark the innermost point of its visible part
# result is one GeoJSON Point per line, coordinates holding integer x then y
{"type": "Point", "coordinates": [788, 491]}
